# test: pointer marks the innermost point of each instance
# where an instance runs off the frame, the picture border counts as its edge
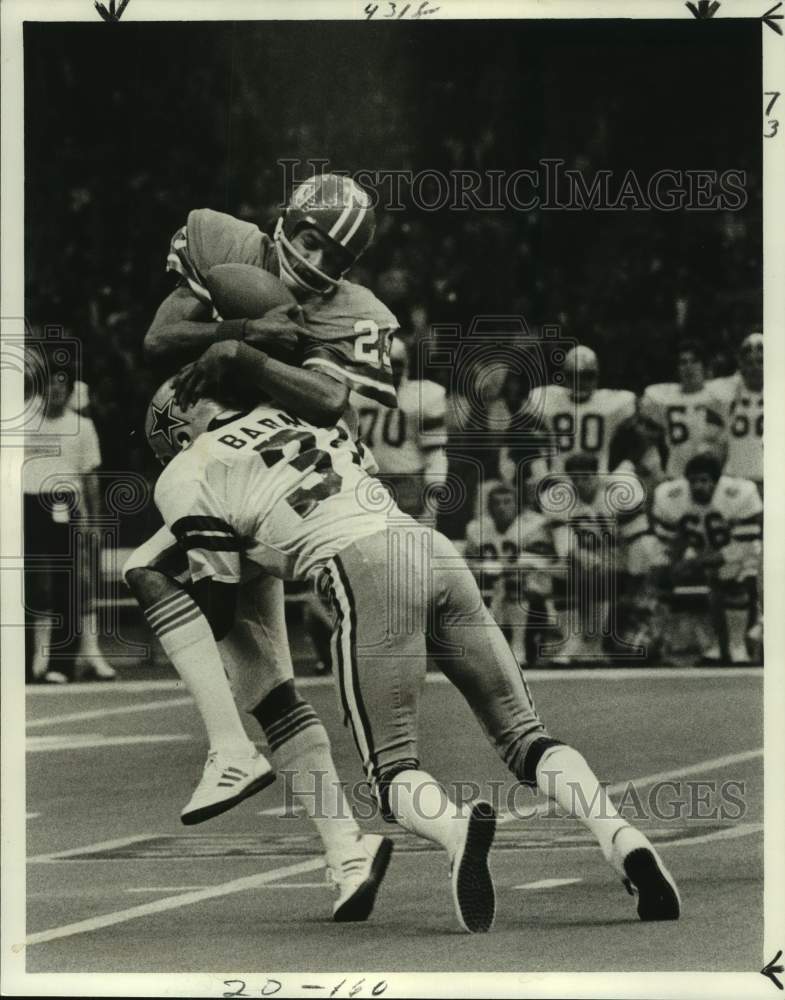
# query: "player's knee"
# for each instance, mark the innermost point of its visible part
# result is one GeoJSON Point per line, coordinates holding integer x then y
{"type": "Point", "coordinates": [384, 787]}
{"type": "Point", "coordinates": [146, 584]}
{"type": "Point", "coordinates": [290, 724]}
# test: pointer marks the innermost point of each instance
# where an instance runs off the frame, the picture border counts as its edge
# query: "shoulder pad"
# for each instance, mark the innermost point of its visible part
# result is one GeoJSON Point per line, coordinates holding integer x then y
{"type": "Point", "coordinates": [339, 315]}
{"type": "Point", "coordinates": [218, 238]}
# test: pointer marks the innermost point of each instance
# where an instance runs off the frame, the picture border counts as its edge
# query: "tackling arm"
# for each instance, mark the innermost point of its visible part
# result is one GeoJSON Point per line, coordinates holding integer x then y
{"type": "Point", "coordinates": [312, 395]}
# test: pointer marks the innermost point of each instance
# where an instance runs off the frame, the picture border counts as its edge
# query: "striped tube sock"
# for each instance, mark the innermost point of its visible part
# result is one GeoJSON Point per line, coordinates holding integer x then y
{"type": "Point", "coordinates": [188, 641]}
{"type": "Point", "coordinates": [300, 752]}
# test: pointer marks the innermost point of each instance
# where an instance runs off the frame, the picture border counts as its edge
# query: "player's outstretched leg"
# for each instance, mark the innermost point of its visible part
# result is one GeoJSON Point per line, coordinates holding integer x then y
{"type": "Point", "coordinates": [235, 769]}
{"type": "Point", "coordinates": [564, 776]}
{"type": "Point", "coordinates": [485, 671]}
{"type": "Point", "coordinates": [421, 806]}
{"type": "Point", "coordinates": [300, 747]}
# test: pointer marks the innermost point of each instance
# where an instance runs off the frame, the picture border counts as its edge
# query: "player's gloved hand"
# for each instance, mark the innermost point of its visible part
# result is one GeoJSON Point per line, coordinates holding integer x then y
{"type": "Point", "coordinates": [208, 374]}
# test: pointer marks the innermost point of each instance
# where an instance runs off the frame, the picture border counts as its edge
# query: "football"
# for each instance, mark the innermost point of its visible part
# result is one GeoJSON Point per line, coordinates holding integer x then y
{"type": "Point", "coordinates": [243, 291]}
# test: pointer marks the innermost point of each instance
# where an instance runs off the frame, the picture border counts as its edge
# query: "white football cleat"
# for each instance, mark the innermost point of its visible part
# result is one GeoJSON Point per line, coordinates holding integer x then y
{"type": "Point", "coordinates": [227, 780]}
{"type": "Point", "coordinates": [358, 878]}
{"type": "Point", "coordinates": [472, 886]}
{"type": "Point", "coordinates": [645, 876]}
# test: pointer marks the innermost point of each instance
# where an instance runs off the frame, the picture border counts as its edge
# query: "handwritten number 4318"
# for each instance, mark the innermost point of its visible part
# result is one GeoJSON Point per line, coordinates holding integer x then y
{"type": "Point", "coordinates": [398, 9]}
{"type": "Point", "coordinates": [772, 123]}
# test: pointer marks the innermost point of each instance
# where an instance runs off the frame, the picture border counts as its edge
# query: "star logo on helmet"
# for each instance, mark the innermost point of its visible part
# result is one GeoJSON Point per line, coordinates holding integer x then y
{"type": "Point", "coordinates": [165, 422]}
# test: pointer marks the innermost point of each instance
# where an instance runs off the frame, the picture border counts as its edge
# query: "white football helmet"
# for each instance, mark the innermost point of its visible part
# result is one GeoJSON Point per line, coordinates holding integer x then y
{"type": "Point", "coordinates": [169, 429]}
{"type": "Point", "coordinates": [582, 371]}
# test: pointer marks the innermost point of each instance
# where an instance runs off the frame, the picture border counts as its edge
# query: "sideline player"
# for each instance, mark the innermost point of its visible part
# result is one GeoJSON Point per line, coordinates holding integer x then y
{"type": "Point", "coordinates": [578, 416]}
{"type": "Point", "coordinates": [408, 443]}
{"type": "Point", "coordinates": [742, 393]}
{"type": "Point", "coordinates": [689, 411]}
{"type": "Point", "coordinates": [509, 551]}
{"type": "Point", "coordinates": [294, 498]}
{"type": "Point", "coordinates": [598, 524]}
{"type": "Point", "coordinates": [712, 526]}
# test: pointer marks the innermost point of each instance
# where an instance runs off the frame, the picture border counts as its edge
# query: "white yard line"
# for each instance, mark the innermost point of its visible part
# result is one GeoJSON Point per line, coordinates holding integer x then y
{"type": "Point", "coordinates": [103, 845]}
{"type": "Point", "coordinates": [540, 676]}
{"type": "Point", "coordinates": [547, 883]}
{"type": "Point", "coordinates": [101, 713]}
{"type": "Point", "coordinates": [731, 833]}
{"type": "Point", "coordinates": [269, 887]}
{"type": "Point", "coordinates": [173, 902]}
{"type": "Point", "coordinates": [651, 779]}
{"type": "Point", "coordinates": [88, 741]}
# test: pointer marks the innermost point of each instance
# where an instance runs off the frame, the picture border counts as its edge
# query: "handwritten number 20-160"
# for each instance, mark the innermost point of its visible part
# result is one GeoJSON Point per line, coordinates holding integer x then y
{"type": "Point", "coordinates": [237, 988]}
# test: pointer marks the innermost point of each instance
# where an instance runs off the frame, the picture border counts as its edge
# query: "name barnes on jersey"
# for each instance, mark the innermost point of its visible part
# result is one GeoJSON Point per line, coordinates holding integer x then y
{"type": "Point", "coordinates": [269, 487]}
{"type": "Point", "coordinates": [345, 334]}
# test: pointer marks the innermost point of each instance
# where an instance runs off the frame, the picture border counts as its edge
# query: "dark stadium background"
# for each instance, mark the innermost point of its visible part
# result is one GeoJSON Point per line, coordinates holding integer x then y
{"type": "Point", "coordinates": [129, 126]}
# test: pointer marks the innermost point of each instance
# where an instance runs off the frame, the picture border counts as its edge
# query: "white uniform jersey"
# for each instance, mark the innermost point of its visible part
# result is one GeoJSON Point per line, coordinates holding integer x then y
{"type": "Point", "coordinates": [744, 424]}
{"type": "Point", "coordinates": [271, 488]}
{"type": "Point", "coordinates": [690, 420]}
{"type": "Point", "coordinates": [614, 522]}
{"type": "Point", "coordinates": [732, 519]}
{"type": "Point", "coordinates": [402, 440]}
{"type": "Point", "coordinates": [586, 426]}
{"type": "Point", "coordinates": [491, 552]}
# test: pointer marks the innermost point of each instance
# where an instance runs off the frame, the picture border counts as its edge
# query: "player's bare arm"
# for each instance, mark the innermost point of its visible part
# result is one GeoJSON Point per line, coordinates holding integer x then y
{"type": "Point", "coordinates": [182, 329]}
{"type": "Point", "coordinates": [235, 368]}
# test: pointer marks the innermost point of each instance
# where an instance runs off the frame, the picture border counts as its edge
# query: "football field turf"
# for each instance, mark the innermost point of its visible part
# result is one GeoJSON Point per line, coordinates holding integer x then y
{"type": "Point", "coordinates": [115, 883]}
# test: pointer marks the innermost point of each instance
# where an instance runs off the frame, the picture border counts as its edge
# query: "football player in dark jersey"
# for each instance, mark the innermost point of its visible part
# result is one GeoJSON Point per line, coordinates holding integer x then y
{"type": "Point", "coordinates": [338, 338]}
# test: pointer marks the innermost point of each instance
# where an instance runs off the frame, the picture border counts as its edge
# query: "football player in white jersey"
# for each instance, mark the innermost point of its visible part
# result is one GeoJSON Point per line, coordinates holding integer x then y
{"type": "Point", "coordinates": [599, 528]}
{"type": "Point", "coordinates": [266, 487]}
{"type": "Point", "coordinates": [408, 443]}
{"type": "Point", "coordinates": [742, 394]}
{"type": "Point", "coordinates": [712, 525]}
{"type": "Point", "coordinates": [689, 411]}
{"type": "Point", "coordinates": [577, 415]}
{"type": "Point", "coordinates": [505, 550]}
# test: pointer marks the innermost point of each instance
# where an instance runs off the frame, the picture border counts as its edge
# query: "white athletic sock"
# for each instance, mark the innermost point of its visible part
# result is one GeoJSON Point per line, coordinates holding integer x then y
{"type": "Point", "coordinates": [88, 644]}
{"type": "Point", "coordinates": [420, 805]}
{"type": "Point", "coordinates": [300, 752]}
{"type": "Point", "coordinates": [188, 641]}
{"type": "Point", "coordinates": [564, 776]}
{"type": "Point", "coordinates": [42, 638]}
{"type": "Point", "coordinates": [737, 633]}
{"type": "Point", "coordinates": [315, 785]}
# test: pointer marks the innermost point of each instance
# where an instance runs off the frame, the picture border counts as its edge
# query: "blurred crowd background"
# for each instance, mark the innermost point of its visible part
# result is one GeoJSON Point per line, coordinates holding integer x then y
{"type": "Point", "coordinates": [128, 128]}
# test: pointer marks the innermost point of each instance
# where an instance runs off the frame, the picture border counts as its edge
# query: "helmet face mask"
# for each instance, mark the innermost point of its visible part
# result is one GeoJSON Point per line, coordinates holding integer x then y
{"type": "Point", "coordinates": [342, 213]}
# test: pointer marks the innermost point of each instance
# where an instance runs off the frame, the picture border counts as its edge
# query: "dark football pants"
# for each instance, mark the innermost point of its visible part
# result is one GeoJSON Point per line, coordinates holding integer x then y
{"type": "Point", "coordinates": [399, 596]}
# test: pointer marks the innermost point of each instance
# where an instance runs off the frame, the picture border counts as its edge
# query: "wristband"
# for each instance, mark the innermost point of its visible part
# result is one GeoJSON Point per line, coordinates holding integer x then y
{"type": "Point", "coordinates": [230, 329]}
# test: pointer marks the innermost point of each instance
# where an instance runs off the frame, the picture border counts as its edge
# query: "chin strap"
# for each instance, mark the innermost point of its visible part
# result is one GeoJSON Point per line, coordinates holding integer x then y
{"type": "Point", "coordinates": [285, 249]}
